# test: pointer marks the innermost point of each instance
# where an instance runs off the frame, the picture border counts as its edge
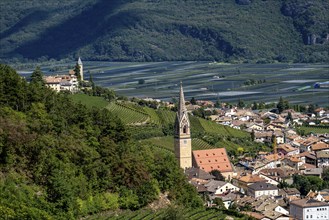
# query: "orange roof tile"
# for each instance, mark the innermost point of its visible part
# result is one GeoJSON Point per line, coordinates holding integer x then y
{"type": "Point", "coordinates": [294, 159]}
{"type": "Point", "coordinates": [320, 146]}
{"type": "Point", "coordinates": [213, 159]}
{"type": "Point", "coordinates": [286, 147]}
{"type": "Point", "coordinates": [251, 179]}
{"type": "Point", "coordinates": [272, 157]}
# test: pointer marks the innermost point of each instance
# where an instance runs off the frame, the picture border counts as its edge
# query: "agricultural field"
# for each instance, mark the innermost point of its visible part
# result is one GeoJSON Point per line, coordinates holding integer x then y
{"type": "Point", "coordinates": [314, 129]}
{"type": "Point", "coordinates": [167, 143]}
{"type": "Point", "coordinates": [90, 101]}
{"type": "Point", "coordinates": [209, 81]}
{"type": "Point", "coordinates": [146, 214]}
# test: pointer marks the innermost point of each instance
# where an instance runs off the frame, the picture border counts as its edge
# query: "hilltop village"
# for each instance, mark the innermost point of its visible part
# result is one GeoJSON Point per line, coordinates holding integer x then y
{"type": "Point", "coordinates": [258, 185]}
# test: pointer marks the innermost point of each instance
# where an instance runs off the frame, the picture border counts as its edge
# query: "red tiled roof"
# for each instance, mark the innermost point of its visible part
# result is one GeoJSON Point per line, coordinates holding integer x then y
{"type": "Point", "coordinates": [273, 157]}
{"type": "Point", "coordinates": [251, 178]}
{"type": "Point", "coordinates": [213, 159]}
{"type": "Point", "coordinates": [320, 146]}
{"type": "Point", "coordinates": [286, 147]}
{"type": "Point", "coordinates": [308, 166]}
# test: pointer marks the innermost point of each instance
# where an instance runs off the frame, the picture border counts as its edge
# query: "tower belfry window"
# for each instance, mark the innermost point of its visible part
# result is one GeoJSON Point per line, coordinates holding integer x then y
{"type": "Point", "coordinates": [185, 129]}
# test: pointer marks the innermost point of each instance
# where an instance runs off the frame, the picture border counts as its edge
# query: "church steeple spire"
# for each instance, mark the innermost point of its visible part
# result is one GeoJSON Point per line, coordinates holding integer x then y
{"type": "Point", "coordinates": [183, 148]}
{"type": "Point", "coordinates": [181, 107]}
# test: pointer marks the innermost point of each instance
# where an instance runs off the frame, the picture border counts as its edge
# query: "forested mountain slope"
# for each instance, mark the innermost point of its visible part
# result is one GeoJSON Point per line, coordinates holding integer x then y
{"type": "Point", "coordinates": [61, 160]}
{"type": "Point", "coordinates": [154, 30]}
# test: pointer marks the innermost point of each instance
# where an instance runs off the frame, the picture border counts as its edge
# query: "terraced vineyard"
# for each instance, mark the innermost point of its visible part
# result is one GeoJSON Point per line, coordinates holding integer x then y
{"type": "Point", "coordinates": [153, 114]}
{"type": "Point", "coordinates": [89, 101]}
{"type": "Point", "coordinates": [147, 214]}
{"type": "Point", "coordinates": [132, 114]}
{"type": "Point", "coordinates": [196, 126]}
{"type": "Point", "coordinates": [128, 114]}
{"type": "Point", "coordinates": [198, 144]}
{"type": "Point", "coordinates": [152, 126]}
{"type": "Point", "coordinates": [167, 143]}
{"type": "Point", "coordinates": [166, 116]}
{"type": "Point", "coordinates": [212, 127]}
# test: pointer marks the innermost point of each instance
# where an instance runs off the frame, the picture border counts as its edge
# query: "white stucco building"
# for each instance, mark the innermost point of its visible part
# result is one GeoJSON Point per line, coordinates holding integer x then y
{"type": "Point", "coordinates": [311, 209]}
{"type": "Point", "coordinates": [261, 189]}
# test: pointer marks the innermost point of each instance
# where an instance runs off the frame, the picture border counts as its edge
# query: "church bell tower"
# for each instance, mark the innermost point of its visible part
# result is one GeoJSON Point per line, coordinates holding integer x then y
{"type": "Point", "coordinates": [183, 145]}
{"type": "Point", "coordinates": [81, 68]}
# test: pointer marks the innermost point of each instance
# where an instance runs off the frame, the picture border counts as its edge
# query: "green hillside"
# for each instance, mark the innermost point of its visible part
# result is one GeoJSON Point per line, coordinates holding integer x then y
{"type": "Point", "coordinates": [155, 128]}
{"type": "Point", "coordinates": [136, 30]}
{"type": "Point", "coordinates": [63, 160]}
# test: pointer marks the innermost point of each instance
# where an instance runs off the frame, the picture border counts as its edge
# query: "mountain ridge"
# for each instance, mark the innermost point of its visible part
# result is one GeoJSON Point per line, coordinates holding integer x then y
{"type": "Point", "coordinates": [232, 31]}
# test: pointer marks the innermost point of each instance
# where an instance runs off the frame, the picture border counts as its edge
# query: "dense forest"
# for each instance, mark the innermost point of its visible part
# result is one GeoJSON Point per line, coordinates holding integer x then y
{"type": "Point", "coordinates": [153, 30]}
{"type": "Point", "coordinates": [62, 160]}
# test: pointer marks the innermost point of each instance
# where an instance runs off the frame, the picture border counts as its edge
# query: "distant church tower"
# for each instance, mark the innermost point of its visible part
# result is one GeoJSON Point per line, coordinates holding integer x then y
{"type": "Point", "coordinates": [183, 145]}
{"type": "Point", "coordinates": [81, 68]}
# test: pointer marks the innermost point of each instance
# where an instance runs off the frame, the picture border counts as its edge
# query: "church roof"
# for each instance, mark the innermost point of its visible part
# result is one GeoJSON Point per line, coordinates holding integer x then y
{"type": "Point", "coordinates": [213, 159]}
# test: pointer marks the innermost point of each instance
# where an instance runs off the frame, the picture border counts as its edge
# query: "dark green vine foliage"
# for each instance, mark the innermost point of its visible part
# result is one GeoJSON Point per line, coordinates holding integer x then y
{"type": "Point", "coordinates": [61, 160]}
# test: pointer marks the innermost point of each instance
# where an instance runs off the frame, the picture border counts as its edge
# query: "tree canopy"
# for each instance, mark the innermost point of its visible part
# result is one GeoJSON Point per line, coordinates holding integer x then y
{"type": "Point", "coordinates": [62, 160]}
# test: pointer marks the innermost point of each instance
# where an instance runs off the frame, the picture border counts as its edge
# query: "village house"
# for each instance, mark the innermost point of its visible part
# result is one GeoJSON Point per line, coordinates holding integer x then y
{"type": "Point", "coordinates": [313, 172]}
{"type": "Point", "coordinates": [291, 138]}
{"type": "Point", "coordinates": [324, 120]}
{"type": "Point", "coordinates": [197, 174]}
{"type": "Point", "coordinates": [273, 175]}
{"type": "Point", "coordinates": [216, 187]}
{"type": "Point", "coordinates": [279, 136]}
{"type": "Point", "coordinates": [263, 137]}
{"type": "Point", "coordinates": [320, 146]}
{"type": "Point", "coordinates": [62, 83]}
{"type": "Point", "coordinates": [269, 179]}
{"type": "Point", "coordinates": [322, 158]}
{"type": "Point", "coordinates": [245, 180]}
{"type": "Point", "coordinates": [261, 188]}
{"type": "Point", "coordinates": [291, 194]}
{"type": "Point", "coordinates": [308, 158]}
{"type": "Point", "coordinates": [271, 206]}
{"type": "Point", "coordinates": [322, 196]}
{"type": "Point", "coordinates": [255, 127]}
{"type": "Point", "coordinates": [67, 82]}
{"type": "Point", "coordinates": [293, 161]}
{"type": "Point", "coordinates": [320, 112]}
{"type": "Point", "coordinates": [287, 150]}
{"type": "Point", "coordinates": [309, 209]}
{"type": "Point", "coordinates": [305, 144]}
